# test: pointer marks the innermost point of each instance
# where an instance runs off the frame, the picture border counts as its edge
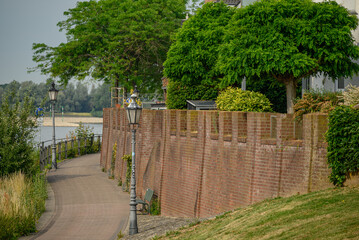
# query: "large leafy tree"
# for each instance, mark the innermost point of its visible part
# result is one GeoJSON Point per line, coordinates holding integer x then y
{"type": "Point", "coordinates": [123, 42]}
{"type": "Point", "coordinates": [193, 55]}
{"type": "Point", "coordinates": [289, 40]}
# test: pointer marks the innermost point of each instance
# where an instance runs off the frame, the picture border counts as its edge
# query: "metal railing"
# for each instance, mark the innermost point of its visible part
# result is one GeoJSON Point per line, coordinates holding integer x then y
{"type": "Point", "coordinates": [68, 148]}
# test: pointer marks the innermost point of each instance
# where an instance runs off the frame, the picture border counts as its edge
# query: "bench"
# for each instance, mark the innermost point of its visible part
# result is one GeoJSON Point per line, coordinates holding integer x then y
{"type": "Point", "coordinates": [146, 201]}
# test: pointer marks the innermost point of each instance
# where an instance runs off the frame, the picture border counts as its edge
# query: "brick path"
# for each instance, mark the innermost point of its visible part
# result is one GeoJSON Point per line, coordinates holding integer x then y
{"type": "Point", "coordinates": [88, 205]}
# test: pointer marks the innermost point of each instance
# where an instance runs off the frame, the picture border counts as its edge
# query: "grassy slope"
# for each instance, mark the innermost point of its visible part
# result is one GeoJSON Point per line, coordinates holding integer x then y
{"type": "Point", "coordinates": [328, 214]}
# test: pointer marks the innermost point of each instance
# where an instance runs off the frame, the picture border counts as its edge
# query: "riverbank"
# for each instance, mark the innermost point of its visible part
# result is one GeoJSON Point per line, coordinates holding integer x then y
{"type": "Point", "coordinates": [70, 121]}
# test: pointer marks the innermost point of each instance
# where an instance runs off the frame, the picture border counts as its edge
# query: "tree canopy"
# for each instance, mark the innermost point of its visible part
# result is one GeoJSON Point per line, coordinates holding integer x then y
{"type": "Point", "coordinates": [289, 40]}
{"type": "Point", "coordinates": [191, 58]}
{"type": "Point", "coordinates": [73, 98]}
{"type": "Point", "coordinates": [123, 42]}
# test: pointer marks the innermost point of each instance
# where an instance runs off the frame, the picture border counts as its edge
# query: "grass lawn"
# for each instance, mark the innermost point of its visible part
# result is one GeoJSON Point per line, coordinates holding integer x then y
{"type": "Point", "coordinates": [328, 214]}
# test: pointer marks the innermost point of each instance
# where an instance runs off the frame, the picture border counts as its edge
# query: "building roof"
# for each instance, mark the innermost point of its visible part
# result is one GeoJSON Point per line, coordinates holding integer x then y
{"type": "Point", "coordinates": [210, 104]}
{"type": "Point", "coordinates": [233, 3]}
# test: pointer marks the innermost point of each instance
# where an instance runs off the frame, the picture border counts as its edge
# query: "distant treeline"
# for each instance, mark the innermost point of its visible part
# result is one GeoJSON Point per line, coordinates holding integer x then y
{"type": "Point", "coordinates": [73, 98]}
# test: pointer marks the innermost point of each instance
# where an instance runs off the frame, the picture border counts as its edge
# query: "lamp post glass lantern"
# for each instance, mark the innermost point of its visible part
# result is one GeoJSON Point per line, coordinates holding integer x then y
{"type": "Point", "coordinates": [133, 111]}
{"type": "Point", "coordinates": [133, 115]}
{"type": "Point", "coordinates": [53, 97]}
{"type": "Point", "coordinates": [53, 92]}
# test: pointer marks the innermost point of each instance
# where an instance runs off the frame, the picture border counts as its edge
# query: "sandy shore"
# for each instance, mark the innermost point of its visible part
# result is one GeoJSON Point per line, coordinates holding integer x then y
{"type": "Point", "coordinates": [70, 121]}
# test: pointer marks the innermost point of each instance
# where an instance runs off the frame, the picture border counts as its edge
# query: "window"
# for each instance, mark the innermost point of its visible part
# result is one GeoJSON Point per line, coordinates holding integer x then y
{"type": "Point", "coordinates": [341, 83]}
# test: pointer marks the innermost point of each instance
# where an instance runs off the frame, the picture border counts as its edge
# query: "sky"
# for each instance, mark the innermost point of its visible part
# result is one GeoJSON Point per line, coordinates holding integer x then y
{"type": "Point", "coordinates": [22, 23]}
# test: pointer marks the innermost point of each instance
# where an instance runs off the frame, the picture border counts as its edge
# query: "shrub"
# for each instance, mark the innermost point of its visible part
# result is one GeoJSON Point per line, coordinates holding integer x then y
{"type": "Point", "coordinates": [343, 138]}
{"type": "Point", "coordinates": [17, 129]}
{"type": "Point", "coordinates": [82, 131]}
{"type": "Point", "coordinates": [316, 101]}
{"type": "Point", "coordinates": [96, 113]}
{"type": "Point", "coordinates": [155, 206]}
{"type": "Point", "coordinates": [350, 96]}
{"type": "Point", "coordinates": [178, 94]}
{"type": "Point", "coordinates": [22, 200]}
{"type": "Point", "coordinates": [113, 160]}
{"type": "Point", "coordinates": [235, 99]}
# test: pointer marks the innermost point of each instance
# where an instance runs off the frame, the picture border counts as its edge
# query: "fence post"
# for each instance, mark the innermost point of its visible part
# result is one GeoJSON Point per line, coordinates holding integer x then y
{"type": "Point", "coordinates": [59, 151]}
{"type": "Point", "coordinates": [48, 154]}
{"type": "Point", "coordinates": [41, 155]}
{"type": "Point", "coordinates": [85, 145]}
{"type": "Point", "coordinates": [99, 143]}
{"type": "Point", "coordinates": [45, 152]}
{"type": "Point", "coordinates": [72, 146]}
{"type": "Point", "coordinates": [78, 146]}
{"type": "Point", "coordinates": [66, 149]}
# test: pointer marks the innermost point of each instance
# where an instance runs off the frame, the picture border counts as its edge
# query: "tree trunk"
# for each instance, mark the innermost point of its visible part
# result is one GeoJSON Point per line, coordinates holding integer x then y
{"type": "Point", "coordinates": [290, 87]}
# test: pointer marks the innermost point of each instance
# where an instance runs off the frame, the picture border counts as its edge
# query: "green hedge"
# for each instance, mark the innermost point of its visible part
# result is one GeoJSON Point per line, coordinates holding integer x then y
{"type": "Point", "coordinates": [235, 99]}
{"type": "Point", "coordinates": [178, 94]}
{"type": "Point", "coordinates": [343, 143]}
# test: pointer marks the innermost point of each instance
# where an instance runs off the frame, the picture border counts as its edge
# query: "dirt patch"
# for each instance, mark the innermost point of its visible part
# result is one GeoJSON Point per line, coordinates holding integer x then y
{"type": "Point", "coordinates": [151, 226]}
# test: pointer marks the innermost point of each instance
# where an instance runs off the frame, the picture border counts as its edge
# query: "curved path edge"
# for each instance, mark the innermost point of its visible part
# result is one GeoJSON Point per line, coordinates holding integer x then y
{"type": "Point", "coordinates": [82, 203]}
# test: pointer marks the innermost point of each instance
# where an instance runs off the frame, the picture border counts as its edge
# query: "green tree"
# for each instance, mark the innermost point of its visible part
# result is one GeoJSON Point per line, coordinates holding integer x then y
{"type": "Point", "coordinates": [1, 94]}
{"type": "Point", "coordinates": [17, 129]}
{"type": "Point", "coordinates": [100, 98]}
{"type": "Point", "coordinates": [123, 42]}
{"type": "Point", "coordinates": [66, 98]}
{"type": "Point", "coordinates": [11, 91]}
{"type": "Point", "coordinates": [81, 98]}
{"type": "Point", "coordinates": [191, 58]}
{"type": "Point", "coordinates": [289, 40]}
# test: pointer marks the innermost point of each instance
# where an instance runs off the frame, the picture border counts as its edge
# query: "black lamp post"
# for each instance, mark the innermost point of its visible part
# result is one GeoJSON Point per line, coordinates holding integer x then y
{"type": "Point", "coordinates": [133, 115]}
{"type": "Point", "coordinates": [53, 97]}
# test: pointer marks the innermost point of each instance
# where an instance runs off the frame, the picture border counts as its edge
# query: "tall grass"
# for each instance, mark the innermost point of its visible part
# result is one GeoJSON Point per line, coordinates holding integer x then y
{"type": "Point", "coordinates": [22, 200]}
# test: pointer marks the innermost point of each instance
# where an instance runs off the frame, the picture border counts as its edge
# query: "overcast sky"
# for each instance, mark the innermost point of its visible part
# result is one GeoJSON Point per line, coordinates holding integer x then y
{"type": "Point", "coordinates": [22, 23]}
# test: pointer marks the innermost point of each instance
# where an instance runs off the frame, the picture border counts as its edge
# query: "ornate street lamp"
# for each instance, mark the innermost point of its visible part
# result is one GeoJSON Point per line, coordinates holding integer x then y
{"type": "Point", "coordinates": [133, 115]}
{"type": "Point", "coordinates": [53, 97]}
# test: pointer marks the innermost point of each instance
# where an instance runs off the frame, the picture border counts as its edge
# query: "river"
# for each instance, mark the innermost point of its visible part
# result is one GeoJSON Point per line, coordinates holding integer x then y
{"type": "Point", "coordinates": [45, 133]}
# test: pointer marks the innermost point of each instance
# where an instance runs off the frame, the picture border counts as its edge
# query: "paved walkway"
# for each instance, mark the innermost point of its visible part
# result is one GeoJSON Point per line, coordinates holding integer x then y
{"type": "Point", "coordinates": [83, 204]}
{"type": "Point", "coordinates": [87, 204]}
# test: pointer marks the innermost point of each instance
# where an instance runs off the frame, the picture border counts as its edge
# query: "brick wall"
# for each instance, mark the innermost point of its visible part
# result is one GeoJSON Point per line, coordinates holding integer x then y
{"type": "Point", "coordinates": [202, 163]}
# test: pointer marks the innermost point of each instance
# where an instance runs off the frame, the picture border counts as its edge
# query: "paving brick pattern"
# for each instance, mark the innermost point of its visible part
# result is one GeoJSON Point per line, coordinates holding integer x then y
{"type": "Point", "coordinates": [88, 205]}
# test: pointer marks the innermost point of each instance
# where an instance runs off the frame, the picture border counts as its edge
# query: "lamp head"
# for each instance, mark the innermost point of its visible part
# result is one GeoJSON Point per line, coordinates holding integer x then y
{"type": "Point", "coordinates": [53, 92]}
{"type": "Point", "coordinates": [133, 110]}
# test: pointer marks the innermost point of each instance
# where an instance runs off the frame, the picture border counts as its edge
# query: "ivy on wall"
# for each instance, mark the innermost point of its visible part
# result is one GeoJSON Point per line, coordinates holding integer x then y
{"type": "Point", "coordinates": [128, 161]}
{"type": "Point", "coordinates": [343, 144]}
